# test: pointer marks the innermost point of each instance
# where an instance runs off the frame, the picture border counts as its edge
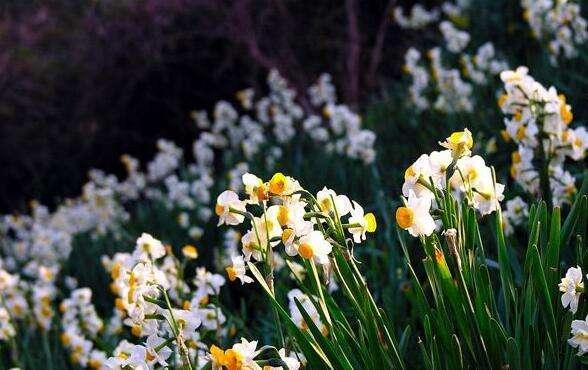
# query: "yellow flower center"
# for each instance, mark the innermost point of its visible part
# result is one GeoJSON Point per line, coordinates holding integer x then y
{"type": "Point", "coordinates": [521, 132]}
{"type": "Point", "coordinates": [404, 217]}
{"type": "Point", "coordinates": [409, 173]}
{"type": "Point", "coordinates": [118, 302]}
{"type": "Point", "coordinates": [219, 209]}
{"type": "Point", "coordinates": [231, 273]}
{"type": "Point", "coordinates": [277, 184]}
{"type": "Point", "coordinates": [305, 250]}
{"type": "Point", "coordinates": [65, 339]}
{"type": "Point", "coordinates": [565, 111]}
{"type": "Point", "coordinates": [115, 273]}
{"type": "Point", "coordinates": [283, 215]}
{"type": "Point", "coordinates": [505, 135]}
{"type": "Point", "coordinates": [190, 251]}
{"type": "Point", "coordinates": [136, 330]}
{"type": "Point", "coordinates": [325, 204]}
{"type": "Point", "coordinates": [261, 192]}
{"type": "Point", "coordinates": [370, 222]}
{"type": "Point", "coordinates": [502, 100]}
{"type": "Point", "coordinates": [286, 235]}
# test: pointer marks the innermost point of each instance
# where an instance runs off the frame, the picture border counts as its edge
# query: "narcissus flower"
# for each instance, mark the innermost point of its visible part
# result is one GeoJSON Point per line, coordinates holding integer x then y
{"type": "Point", "coordinates": [366, 222]}
{"type": "Point", "coordinates": [572, 287]}
{"type": "Point", "coordinates": [238, 271]}
{"type": "Point", "coordinates": [579, 337]}
{"type": "Point", "coordinates": [415, 216]}
{"type": "Point", "coordinates": [255, 188]}
{"type": "Point", "coordinates": [240, 357]}
{"type": "Point", "coordinates": [226, 200]}
{"type": "Point", "coordinates": [278, 184]}
{"type": "Point", "coordinates": [460, 143]}
{"type": "Point", "coordinates": [326, 197]}
{"type": "Point", "coordinates": [313, 246]}
{"type": "Point", "coordinates": [149, 248]}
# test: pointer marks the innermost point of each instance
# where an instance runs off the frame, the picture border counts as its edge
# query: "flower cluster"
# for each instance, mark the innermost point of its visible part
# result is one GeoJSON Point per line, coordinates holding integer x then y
{"type": "Point", "coordinates": [418, 18]}
{"type": "Point", "coordinates": [245, 355]}
{"type": "Point", "coordinates": [290, 216]}
{"type": "Point", "coordinates": [558, 23]}
{"type": "Point", "coordinates": [270, 122]}
{"type": "Point", "coordinates": [515, 214]}
{"type": "Point", "coordinates": [448, 90]}
{"type": "Point", "coordinates": [451, 169]}
{"type": "Point", "coordinates": [149, 285]}
{"type": "Point", "coordinates": [538, 122]}
{"type": "Point", "coordinates": [455, 39]}
{"type": "Point", "coordinates": [81, 325]}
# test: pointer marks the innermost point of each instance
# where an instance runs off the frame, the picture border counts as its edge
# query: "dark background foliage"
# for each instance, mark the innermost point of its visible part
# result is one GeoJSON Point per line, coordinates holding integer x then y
{"type": "Point", "coordinates": [82, 82]}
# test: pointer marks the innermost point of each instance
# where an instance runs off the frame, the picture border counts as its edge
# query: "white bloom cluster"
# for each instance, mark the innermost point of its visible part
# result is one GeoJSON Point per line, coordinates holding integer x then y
{"type": "Point", "coordinates": [274, 120]}
{"type": "Point", "coordinates": [538, 122]}
{"type": "Point", "coordinates": [165, 161]}
{"type": "Point", "coordinates": [483, 65]}
{"type": "Point", "coordinates": [454, 92]}
{"type": "Point", "coordinates": [515, 213]}
{"type": "Point", "coordinates": [468, 176]}
{"type": "Point", "coordinates": [455, 40]}
{"type": "Point", "coordinates": [80, 326]}
{"type": "Point", "coordinates": [418, 18]}
{"type": "Point", "coordinates": [152, 274]}
{"type": "Point", "coordinates": [558, 23]}
{"type": "Point", "coordinates": [446, 89]}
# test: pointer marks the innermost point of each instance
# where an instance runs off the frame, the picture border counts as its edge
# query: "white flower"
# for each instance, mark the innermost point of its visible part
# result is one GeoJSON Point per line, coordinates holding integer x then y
{"type": "Point", "coordinates": [415, 175]}
{"type": "Point", "coordinates": [326, 197]}
{"type": "Point", "coordinates": [365, 222]}
{"type": "Point", "coordinates": [415, 216]}
{"type": "Point", "coordinates": [226, 200]}
{"type": "Point", "coordinates": [313, 246]}
{"type": "Point", "coordinates": [238, 271]}
{"type": "Point", "coordinates": [207, 282]}
{"type": "Point", "coordinates": [148, 248]}
{"type": "Point", "coordinates": [571, 286]}
{"type": "Point", "coordinates": [154, 356]}
{"type": "Point", "coordinates": [254, 187]}
{"type": "Point", "coordinates": [579, 337]}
